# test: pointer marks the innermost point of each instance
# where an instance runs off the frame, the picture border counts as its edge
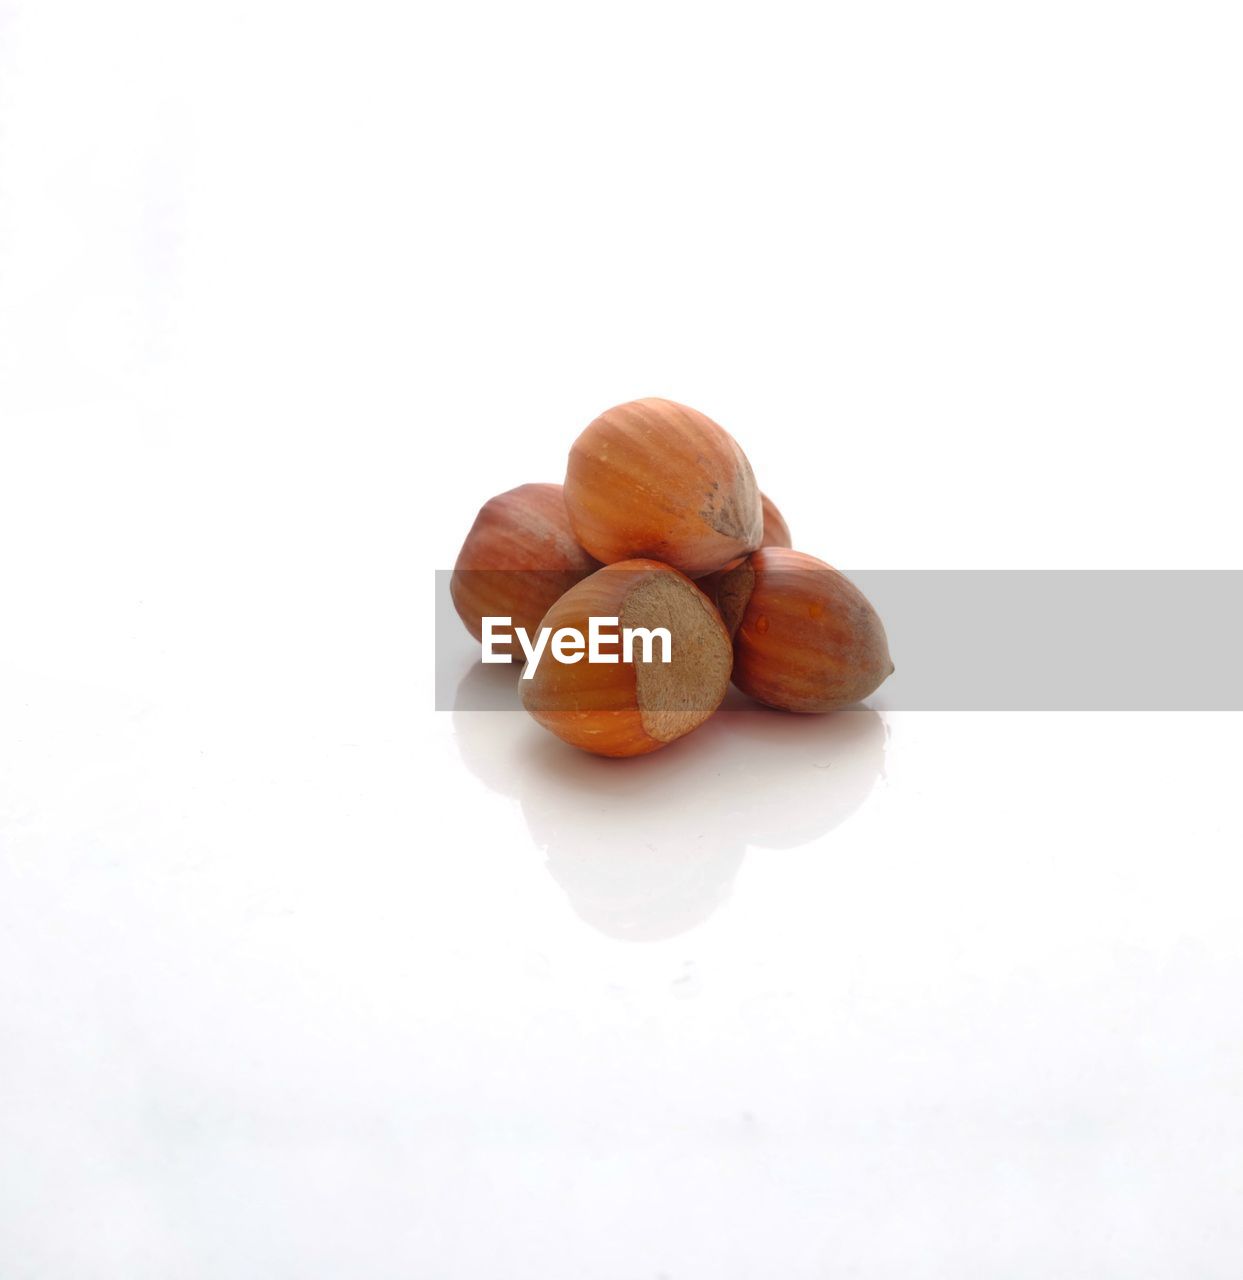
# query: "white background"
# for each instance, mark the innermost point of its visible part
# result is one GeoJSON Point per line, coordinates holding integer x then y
{"type": "Point", "coordinates": [301, 978]}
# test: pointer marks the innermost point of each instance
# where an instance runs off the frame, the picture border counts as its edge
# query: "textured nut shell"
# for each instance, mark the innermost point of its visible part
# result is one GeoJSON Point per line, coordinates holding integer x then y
{"type": "Point", "coordinates": [805, 637]}
{"type": "Point", "coordinates": [656, 479]}
{"type": "Point", "coordinates": [628, 709]}
{"type": "Point", "coordinates": [776, 531]}
{"type": "Point", "coordinates": [518, 559]}
{"type": "Point", "coordinates": [776, 534]}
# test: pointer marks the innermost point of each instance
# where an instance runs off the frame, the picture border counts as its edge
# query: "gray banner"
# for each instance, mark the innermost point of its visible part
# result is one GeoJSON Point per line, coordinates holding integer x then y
{"type": "Point", "coordinates": [1002, 640]}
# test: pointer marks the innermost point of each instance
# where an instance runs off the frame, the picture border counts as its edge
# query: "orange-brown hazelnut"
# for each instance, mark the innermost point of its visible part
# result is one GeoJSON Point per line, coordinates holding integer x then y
{"type": "Point", "coordinates": [519, 557]}
{"type": "Point", "coordinates": [805, 637]}
{"type": "Point", "coordinates": [656, 479]}
{"type": "Point", "coordinates": [628, 708]}
{"type": "Point", "coordinates": [776, 531]}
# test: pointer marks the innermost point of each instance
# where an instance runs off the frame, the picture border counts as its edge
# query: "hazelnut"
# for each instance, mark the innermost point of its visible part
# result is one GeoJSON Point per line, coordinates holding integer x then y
{"type": "Point", "coordinates": [519, 557]}
{"type": "Point", "coordinates": [656, 479]}
{"type": "Point", "coordinates": [628, 708]}
{"type": "Point", "coordinates": [805, 637]}
{"type": "Point", "coordinates": [776, 531]}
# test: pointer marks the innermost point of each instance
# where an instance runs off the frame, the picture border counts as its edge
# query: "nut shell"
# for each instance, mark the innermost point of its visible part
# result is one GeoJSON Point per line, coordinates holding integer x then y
{"type": "Point", "coordinates": [518, 559]}
{"type": "Point", "coordinates": [655, 479]}
{"type": "Point", "coordinates": [776, 531]}
{"type": "Point", "coordinates": [805, 637]}
{"type": "Point", "coordinates": [631, 708]}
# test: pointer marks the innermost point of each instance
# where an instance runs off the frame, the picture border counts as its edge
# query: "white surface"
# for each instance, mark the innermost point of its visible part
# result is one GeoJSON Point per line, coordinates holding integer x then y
{"type": "Point", "coordinates": [270, 1008]}
{"type": "Point", "coordinates": [298, 977]}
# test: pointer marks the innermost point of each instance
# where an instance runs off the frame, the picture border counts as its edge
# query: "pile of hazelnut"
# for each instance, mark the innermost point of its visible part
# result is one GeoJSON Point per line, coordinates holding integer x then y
{"type": "Point", "coordinates": [660, 524]}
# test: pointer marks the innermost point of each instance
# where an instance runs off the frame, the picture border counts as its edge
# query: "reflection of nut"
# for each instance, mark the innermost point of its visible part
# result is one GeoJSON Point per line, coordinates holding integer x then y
{"type": "Point", "coordinates": [805, 637]}
{"type": "Point", "coordinates": [518, 558]}
{"type": "Point", "coordinates": [649, 850]}
{"type": "Point", "coordinates": [493, 736]}
{"type": "Point", "coordinates": [817, 770]}
{"type": "Point", "coordinates": [628, 708]}
{"type": "Point", "coordinates": [640, 881]}
{"type": "Point", "coordinates": [656, 479]}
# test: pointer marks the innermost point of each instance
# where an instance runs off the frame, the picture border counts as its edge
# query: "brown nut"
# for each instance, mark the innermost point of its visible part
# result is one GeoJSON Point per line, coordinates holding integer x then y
{"type": "Point", "coordinates": [656, 479]}
{"type": "Point", "coordinates": [776, 531]}
{"type": "Point", "coordinates": [805, 637]}
{"type": "Point", "coordinates": [628, 708]}
{"type": "Point", "coordinates": [518, 559]}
